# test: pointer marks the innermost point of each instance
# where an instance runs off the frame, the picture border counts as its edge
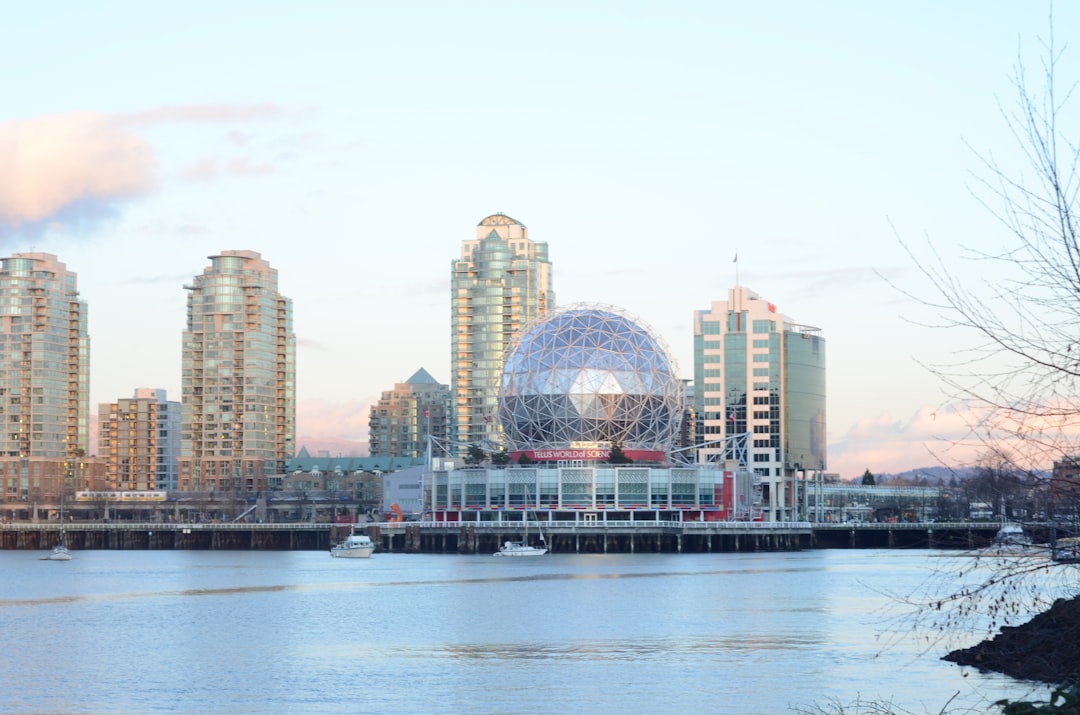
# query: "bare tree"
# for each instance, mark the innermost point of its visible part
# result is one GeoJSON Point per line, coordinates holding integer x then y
{"type": "Point", "coordinates": [1021, 374]}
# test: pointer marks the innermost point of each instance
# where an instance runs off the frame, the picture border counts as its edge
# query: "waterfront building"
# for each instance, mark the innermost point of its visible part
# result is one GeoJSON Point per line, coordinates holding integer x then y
{"type": "Point", "coordinates": [238, 382]}
{"type": "Point", "coordinates": [139, 441]}
{"type": "Point", "coordinates": [1064, 491]}
{"type": "Point", "coordinates": [590, 408]}
{"type": "Point", "coordinates": [502, 281]}
{"type": "Point", "coordinates": [44, 379]}
{"type": "Point", "coordinates": [758, 372]}
{"type": "Point", "coordinates": [373, 483]}
{"type": "Point", "coordinates": [399, 424]}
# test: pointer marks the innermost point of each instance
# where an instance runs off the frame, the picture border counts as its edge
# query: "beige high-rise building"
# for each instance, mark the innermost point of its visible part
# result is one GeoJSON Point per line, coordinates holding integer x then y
{"type": "Point", "coordinates": [502, 282]}
{"type": "Point", "coordinates": [139, 441]}
{"type": "Point", "coordinates": [238, 385]}
{"type": "Point", "coordinates": [406, 416]}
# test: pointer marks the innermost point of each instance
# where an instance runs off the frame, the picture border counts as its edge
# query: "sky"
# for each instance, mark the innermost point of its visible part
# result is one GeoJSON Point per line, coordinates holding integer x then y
{"type": "Point", "coordinates": [355, 145]}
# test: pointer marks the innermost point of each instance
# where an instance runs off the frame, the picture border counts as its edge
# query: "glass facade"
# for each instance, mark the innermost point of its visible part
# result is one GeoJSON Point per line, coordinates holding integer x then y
{"type": "Point", "coordinates": [589, 488]}
{"type": "Point", "coordinates": [501, 282]}
{"type": "Point", "coordinates": [238, 377]}
{"type": "Point", "coordinates": [804, 408]}
{"type": "Point", "coordinates": [772, 389]}
{"type": "Point", "coordinates": [44, 360]}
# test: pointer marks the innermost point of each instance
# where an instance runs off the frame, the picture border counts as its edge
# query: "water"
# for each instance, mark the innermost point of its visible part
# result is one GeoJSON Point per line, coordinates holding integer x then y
{"type": "Point", "coordinates": [301, 632]}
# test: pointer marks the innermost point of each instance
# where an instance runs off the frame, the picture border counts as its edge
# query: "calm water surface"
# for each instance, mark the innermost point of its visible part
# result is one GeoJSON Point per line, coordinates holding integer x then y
{"type": "Point", "coordinates": [301, 632]}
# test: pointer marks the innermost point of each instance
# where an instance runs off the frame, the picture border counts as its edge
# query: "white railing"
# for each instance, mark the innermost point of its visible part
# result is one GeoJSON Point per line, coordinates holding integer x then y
{"type": "Point", "coordinates": [599, 525]}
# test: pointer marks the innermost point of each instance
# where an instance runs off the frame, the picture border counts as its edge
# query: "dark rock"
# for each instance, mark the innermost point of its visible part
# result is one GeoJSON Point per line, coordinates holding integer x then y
{"type": "Point", "coordinates": [1045, 649]}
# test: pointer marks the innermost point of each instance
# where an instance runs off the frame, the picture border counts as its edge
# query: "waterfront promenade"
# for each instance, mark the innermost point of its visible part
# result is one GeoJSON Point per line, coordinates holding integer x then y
{"type": "Point", "coordinates": [484, 536]}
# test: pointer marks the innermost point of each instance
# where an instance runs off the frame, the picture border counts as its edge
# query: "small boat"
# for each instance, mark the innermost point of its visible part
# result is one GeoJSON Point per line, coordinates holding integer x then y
{"type": "Point", "coordinates": [522, 548]}
{"type": "Point", "coordinates": [60, 551]}
{"type": "Point", "coordinates": [1067, 550]}
{"type": "Point", "coordinates": [356, 546]}
{"type": "Point", "coordinates": [1011, 538]}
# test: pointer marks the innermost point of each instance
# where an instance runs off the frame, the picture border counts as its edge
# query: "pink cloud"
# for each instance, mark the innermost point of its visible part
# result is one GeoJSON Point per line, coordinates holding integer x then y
{"type": "Point", "coordinates": [75, 168]}
{"type": "Point", "coordinates": [335, 427]}
{"type": "Point", "coordinates": [930, 437]}
{"type": "Point", "coordinates": [957, 435]}
{"type": "Point", "coordinates": [60, 161]}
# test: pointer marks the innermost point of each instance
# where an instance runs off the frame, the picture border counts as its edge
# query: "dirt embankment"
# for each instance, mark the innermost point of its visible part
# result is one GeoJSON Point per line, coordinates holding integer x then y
{"type": "Point", "coordinates": [1045, 649]}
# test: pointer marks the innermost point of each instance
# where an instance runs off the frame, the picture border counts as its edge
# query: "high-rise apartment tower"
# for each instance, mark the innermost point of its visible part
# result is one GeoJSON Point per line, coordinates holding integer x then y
{"type": "Point", "coordinates": [404, 417]}
{"type": "Point", "coordinates": [44, 376]}
{"type": "Point", "coordinates": [501, 283]}
{"type": "Point", "coordinates": [139, 441]}
{"type": "Point", "coordinates": [239, 376]}
{"type": "Point", "coordinates": [757, 372]}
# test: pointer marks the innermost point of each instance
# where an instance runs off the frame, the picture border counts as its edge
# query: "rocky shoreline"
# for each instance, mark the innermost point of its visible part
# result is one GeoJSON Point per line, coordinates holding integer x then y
{"type": "Point", "coordinates": [1045, 649]}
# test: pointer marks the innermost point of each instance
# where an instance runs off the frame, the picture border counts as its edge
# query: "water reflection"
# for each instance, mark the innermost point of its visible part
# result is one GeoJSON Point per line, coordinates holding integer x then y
{"type": "Point", "coordinates": [620, 649]}
{"type": "Point", "coordinates": [244, 632]}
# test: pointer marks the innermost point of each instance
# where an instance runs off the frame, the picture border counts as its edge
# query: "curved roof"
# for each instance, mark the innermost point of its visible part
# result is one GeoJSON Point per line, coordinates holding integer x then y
{"type": "Point", "coordinates": [500, 220]}
{"type": "Point", "coordinates": [589, 375]}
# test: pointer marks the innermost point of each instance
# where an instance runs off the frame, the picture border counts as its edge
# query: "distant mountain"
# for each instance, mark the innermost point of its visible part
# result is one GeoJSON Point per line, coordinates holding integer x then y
{"type": "Point", "coordinates": [932, 474]}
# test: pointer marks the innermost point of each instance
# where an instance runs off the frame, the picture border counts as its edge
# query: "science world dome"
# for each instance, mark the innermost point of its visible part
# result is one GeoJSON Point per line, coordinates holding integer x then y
{"type": "Point", "coordinates": [588, 377]}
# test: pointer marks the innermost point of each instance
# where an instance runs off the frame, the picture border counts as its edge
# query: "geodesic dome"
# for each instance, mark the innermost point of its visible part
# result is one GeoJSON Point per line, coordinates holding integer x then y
{"type": "Point", "coordinates": [589, 375]}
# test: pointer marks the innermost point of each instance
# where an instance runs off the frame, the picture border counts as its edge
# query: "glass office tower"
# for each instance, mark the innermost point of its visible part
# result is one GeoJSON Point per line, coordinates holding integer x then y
{"type": "Point", "coordinates": [238, 385]}
{"type": "Point", "coordinates": [500, 284]}
{"type": "Point", "coordinates": [757, 372]}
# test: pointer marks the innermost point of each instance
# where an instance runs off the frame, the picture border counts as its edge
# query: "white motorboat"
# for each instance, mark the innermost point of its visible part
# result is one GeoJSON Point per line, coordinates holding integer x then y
{"type": "Point", "coordinates": [356, 546]}
{"type": "Point", "coordinates": [1067, 550]}
{"type": "Point", "coordinates": [1011, 538]}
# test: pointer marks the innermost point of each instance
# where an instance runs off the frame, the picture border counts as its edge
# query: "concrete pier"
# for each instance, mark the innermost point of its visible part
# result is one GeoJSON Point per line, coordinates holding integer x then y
{"type": "Point", "coordinates": [482, 537]}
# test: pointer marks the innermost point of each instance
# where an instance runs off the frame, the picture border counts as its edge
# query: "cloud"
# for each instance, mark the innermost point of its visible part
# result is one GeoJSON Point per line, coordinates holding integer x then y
{"type": "Point", "coordinates": [958, 435]}
{"type": "Point", "coordinates": [68, 168]}
{"type": "Point", "coordinates": [341, 424]}
{"type": "Point", "coordinates": [930, 437]}
{"type": "Point", "coordinates": [75, 170]}
{"type": "Point", "coordinates": [202, 113]}
{"type": "Point", "coordinates": [211, 168]}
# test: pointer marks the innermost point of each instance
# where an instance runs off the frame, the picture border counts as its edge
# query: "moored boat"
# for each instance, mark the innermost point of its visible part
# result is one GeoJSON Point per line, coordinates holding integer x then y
{"type": "Point", "coordinates": [356, 546]}
{"type": "Point", "coordinates": [59, 553]}
{"type": "Point", "coordinates": [520, 548]}
{"type": "Point", "coordinates": [1067, 550]}
{"type": "Point", "coordinates": [1011, 537]}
